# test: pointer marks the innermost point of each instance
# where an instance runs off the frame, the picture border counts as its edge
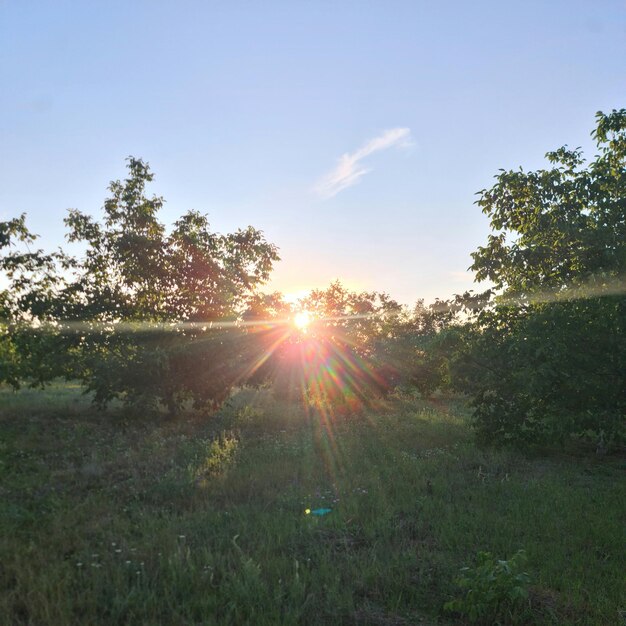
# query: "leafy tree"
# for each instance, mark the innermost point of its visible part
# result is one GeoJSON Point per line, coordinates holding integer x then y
{"type": "Point", "coordinates": [357, 347]}
{"type": "Point", "coordinates": [562, 226]}
{"type": "Point", "coordinates": [33, 281]}
{"type": "Point", "coordinates": [343, 360]}
{"type": "Point", "coordinates": [548, 359]}
{"type": "Point", "coordinates": [334, 361]}
{"type": "Point", "coordinates": [143, 315]}
{"type": "Point", "coordinates": [420, 342]}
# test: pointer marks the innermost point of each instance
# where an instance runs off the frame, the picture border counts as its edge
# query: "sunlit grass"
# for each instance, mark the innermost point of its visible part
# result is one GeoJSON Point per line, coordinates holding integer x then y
{"type": "Point", "coordinates": [110, 520]}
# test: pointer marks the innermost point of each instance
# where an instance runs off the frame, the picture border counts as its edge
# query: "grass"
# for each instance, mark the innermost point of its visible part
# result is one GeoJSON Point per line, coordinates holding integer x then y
{"type": "Point", "coordinates": [106, 519]}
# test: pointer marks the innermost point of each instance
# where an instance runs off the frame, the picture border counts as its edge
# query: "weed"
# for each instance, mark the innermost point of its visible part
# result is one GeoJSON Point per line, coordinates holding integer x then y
{"type": "Point", "coordinates": [494, 591]}
{"type": "Point", "coordinates": [219, 454]}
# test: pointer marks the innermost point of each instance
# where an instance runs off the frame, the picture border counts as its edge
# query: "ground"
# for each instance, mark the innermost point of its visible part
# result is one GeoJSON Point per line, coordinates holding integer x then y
{"type": "Point", "coordinates": [108, 518]}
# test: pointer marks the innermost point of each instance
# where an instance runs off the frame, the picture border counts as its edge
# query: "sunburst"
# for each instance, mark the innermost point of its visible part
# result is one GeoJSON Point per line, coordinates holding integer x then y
{"type": "Point", "coordinates": [301, 320]}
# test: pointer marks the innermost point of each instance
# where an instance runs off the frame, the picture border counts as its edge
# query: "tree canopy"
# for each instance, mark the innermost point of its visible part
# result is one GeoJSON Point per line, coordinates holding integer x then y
{"type": "Point", "coordinates": [154, 315]}
{"type": "Point", "coordinates": [548, 359]}
{"type": "Point", "coordinates": [100, 310]}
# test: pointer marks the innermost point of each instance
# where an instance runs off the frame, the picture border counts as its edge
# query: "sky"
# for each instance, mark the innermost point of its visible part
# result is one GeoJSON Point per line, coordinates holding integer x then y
{"type": "Point", "coordinates": [354, 134]}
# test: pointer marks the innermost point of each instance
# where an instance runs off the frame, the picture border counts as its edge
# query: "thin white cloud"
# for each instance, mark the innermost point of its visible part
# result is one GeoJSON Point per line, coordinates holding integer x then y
{"type": "Point", "coordinates": [349, 169]}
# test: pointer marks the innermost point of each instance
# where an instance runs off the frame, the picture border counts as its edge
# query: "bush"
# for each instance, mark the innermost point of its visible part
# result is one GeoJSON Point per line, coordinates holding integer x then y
{"type": "Point", "coordinates": [548, 373]}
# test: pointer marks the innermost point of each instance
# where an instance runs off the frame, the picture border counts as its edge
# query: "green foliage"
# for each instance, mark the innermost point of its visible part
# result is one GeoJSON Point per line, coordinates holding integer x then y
{"type": "Point", "coordinates": [559, 227]}
{"type": "Point", "coordinates": [546, 359]}
{"type": "Point", "coordinates": [358, 347]}
{"type": "Point", "coordinates": [132, 318]}
{"type": "Point", "coordinates": [158, 318]}
{"type": "Point", "coordinates": [553, 371]}
{"type": "Point", "coordinates": [494, 591]}
{"type": "Point", "coordinates": [413, 345]}
{"type": "Point", "coordinates": [218, 454]}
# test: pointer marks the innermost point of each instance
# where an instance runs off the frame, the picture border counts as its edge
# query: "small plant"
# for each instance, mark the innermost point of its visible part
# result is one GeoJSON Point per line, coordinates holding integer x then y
{"type": "Point", "coordinates": [494, 591]}
{"type": "Point", "coordinates": [218, 455]}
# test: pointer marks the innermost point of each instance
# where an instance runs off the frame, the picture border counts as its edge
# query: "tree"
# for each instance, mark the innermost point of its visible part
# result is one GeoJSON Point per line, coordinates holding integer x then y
{"type": "Point", "coordinates": [33, 281]}
{"type": "Point", "coordinates": [143, 315]}
{"type": "Point", "coordinates": [548, 359]}
{"type": "Point", "coordinates": [358, 346]}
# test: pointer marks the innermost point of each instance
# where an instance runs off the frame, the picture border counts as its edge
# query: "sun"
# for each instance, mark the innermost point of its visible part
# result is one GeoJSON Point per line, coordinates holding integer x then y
{"type": "Point", "coordinates": [302, 320]}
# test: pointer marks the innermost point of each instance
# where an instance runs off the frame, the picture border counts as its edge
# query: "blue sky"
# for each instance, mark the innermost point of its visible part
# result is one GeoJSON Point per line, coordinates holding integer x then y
{"type": "Point", "coordinates": [354, 134]}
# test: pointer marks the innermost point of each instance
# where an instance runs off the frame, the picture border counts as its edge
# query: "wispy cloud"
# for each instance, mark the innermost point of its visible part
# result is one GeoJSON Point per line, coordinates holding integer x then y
{"type": "Point", "coordinates": [349, 169]}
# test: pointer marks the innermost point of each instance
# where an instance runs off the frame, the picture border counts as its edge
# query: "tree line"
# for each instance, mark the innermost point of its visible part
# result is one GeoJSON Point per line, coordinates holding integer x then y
{"type": "Point", "coordinates": [160, 317]}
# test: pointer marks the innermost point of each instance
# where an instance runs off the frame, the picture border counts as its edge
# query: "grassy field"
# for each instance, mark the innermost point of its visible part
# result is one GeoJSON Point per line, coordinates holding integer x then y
{"type": "Point", "coordinates": [106, 519]}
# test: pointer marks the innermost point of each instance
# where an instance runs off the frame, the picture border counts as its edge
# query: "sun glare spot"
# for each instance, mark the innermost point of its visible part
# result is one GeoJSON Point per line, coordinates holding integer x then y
{"type": "Point", "coordinates": [302, 320]}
